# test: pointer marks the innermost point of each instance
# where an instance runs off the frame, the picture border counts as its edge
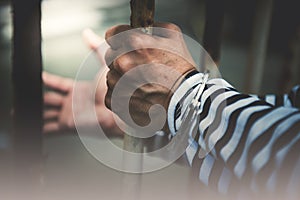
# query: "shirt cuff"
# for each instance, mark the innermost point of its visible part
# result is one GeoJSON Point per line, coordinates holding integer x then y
{"type": "Point", "coordinates": [185, 93]}
{"type": "Point", "coordinates": [181, 99]}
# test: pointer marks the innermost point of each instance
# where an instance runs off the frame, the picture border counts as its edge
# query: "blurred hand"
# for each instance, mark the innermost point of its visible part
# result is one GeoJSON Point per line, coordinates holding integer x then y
{"type": "Point", "coordinates": [167, 57]}
{"type": "Point", "coordinates": [59, 110]}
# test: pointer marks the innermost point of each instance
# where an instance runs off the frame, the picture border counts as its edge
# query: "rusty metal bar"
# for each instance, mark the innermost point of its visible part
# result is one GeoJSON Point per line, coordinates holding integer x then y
{"type": "Point", "coordinates": [27, 86]}
{"type": "Point", "coordinates": [142, 15]}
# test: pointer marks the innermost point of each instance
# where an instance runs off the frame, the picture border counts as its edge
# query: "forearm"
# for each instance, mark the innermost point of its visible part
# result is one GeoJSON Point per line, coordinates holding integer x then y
{"type": "Point", "coordinates": [287, 100]}
{"type": "Point", "coordinates": [244, 135]}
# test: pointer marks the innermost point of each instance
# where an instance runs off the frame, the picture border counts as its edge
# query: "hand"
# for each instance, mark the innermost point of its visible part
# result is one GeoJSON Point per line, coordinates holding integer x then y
{"type": "Point", "coordinates": [167, 58]}
{"type": "Point", "coordinates": [58, 113]}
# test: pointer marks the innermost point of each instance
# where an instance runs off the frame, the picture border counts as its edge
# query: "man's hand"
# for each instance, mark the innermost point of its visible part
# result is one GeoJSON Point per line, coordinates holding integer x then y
{"type": "Point", "coordinates": [59, 110]}
{"type": "Point", "coordinates": [167, 60]}
{"type": "Point", "coordinates": [58, 113]}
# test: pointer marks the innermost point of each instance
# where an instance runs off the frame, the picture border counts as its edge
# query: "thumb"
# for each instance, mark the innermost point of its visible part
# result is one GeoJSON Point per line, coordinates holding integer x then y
{"type": "Point", "coordinates": [92, 39]}
{"type": "Point", "coordinates": [95, 43]}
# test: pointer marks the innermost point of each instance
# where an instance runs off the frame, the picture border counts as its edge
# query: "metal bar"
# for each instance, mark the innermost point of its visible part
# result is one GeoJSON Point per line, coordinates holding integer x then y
{"type": "Point", "coordinates": [290, 69]}
{"type": "Point", "coordinates": [142, 15]}
{"type": "Point", "coordinates": [214, 18]}
{"type": "Point", "coordinates": [27, 86]}
{"type": "Point", "coordinates": [258, 48]}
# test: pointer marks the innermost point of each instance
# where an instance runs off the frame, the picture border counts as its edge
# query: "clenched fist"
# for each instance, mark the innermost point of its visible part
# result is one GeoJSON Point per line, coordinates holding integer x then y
{"type": "Point", "coordinates": [145, 70]}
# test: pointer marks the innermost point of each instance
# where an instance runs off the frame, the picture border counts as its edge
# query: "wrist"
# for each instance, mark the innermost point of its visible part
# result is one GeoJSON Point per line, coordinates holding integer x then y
{"type": "Point", "coordinates": [176, 85]}
{"type": "Point", "coordinates": [181, 98]}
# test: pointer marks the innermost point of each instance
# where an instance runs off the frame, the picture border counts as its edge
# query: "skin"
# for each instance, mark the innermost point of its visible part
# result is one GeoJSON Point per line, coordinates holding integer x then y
{"type": "Point", "coordinates": [58, 113]}
{"type": "Point", "coordinates": [58, 110]}
{"type": "Point", "coordinates": [165, 62]}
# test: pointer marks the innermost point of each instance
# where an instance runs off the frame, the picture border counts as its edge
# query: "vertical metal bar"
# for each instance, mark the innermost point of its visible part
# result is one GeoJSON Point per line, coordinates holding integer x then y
{"type": "Point", "coordinates": [27, 86]}
{"type": "Point", "coordinates": [258, 48]}
{"type": "Point", "coordinates": [214, 18]}
{"type": "Point", "coordinates": [142, 15]}
{"type": "Point", "coordinates": [290, 69]}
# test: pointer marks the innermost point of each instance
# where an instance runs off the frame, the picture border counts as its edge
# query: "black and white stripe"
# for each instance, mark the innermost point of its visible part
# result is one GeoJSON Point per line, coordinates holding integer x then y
{"type": "Point", "coordinates": [250, 139]}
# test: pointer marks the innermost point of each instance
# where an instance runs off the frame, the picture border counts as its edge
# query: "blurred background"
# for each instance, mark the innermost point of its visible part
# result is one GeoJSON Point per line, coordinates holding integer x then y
{"type": "Point", "coordinates": [265, 32]}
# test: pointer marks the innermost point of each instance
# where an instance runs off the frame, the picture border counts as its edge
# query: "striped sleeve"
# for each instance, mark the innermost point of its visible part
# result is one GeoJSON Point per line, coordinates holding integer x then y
{"type": "Point", "coordinates": [247, 141]}
{"type": "Point", "coordinates": [286, 100]}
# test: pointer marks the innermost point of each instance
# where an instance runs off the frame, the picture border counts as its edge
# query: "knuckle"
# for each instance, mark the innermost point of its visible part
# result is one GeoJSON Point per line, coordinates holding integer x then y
{"type": "Point", "coordinates": [136, 41]}
{"type": "Point", "coordinates": [109, 84]}
{"type": "Point", "coordinates": [108, 57]}
{"type": "Point", "coordinates": [111, 79]}
{"type": "Point", "coordinates": [173, 27]}
{"type": "Point", "coordinates": [122, 63]}
{"type": "Point", "coordinates": [109, 32]}
{"type": "Point", "coordinates": [116, 29]}
{"type": "Point", "coordinates": [170, 26]}
{"type": "Point", "coordinates": [108, 75]}
{"type": "Point", "coordinates": [107, 100]}
{"type": "Point", "coordinates": [117, 64]}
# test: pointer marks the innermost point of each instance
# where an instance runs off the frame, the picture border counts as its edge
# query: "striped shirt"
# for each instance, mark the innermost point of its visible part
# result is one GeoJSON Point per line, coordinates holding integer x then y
{"type": "Point", "coordinates": [250, 142]}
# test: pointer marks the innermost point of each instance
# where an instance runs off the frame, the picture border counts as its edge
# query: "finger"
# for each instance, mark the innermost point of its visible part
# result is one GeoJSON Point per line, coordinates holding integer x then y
{"type": "Point", "coordinates": [115, 59]}
{"type": "Point", "coordinates": [167, 30]}
{"type": "Point", "coordinates": [112, 78]}
{"type": "Point", "coordinates": [50, 114]}
{"type": "Point", "coordinates": [110, 56]}
{"type": "Point", "coordinates": [114, 42]}
{"type": "Point", "coordinates": [92, 39]}
{"type": "Point", "coordinates": [96, 43]}
{"type": "Point", "coordinates": [167, 25]}
{"type": "Point", "coordinates": [53, 99]}
{"type": "Point", "coordinates": [51, 127]}
{"type": "Point", "coordinates": [108, 99]}
{"type": "Point", "coordinates": [57, 82]}
{"type": "Point", "coordinates": [125, 62]}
